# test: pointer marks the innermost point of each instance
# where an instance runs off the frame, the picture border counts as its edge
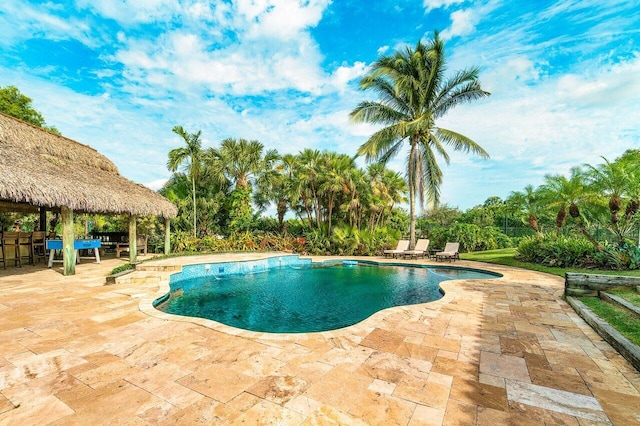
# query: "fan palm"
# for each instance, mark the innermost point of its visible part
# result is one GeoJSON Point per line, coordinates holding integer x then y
{"type": "Point", "coordinates": [191, 156]}
{"type": "Point", "coordinates": [414, 94]}
{"type": "Point", "coordinates": [239, 162]}
{"type": "Point", "coordinates": [334, 181]}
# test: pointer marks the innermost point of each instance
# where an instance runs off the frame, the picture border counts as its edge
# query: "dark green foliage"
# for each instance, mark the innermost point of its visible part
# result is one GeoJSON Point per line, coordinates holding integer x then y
{"type": "Point", "coordinates": [17, 105]}
{"type": "Point", "coordinates": [121, 268]}
{"type": "Point", "coordinates": [240, 211]}
{"type": "Point", "coordinates": [345, 240]}
{"type": "Point", "coordinates": [471, 237]}
{"type": "Point", "coordinates": [560, 251]}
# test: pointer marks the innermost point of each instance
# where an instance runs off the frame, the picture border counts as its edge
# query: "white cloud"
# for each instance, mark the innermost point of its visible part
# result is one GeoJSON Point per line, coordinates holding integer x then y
{"type": "Point", "coordinates": [281, 19]}
{"type": "Point", "coordinates": [156, 184]}
{"type": "Point", "coordinates": [20, 21]}
{"type": "Point", "coordinates": [463, 22]}
{"type": "Point", "coordinates": [437, 4]}
{"type": "Point", "coordinates": [345, 74]}
{"type": "Point", "coordinates": [614, 86]}
{"type": "Point", "coordinates": [532, 127]}
{"type": "Point", "coordinates": [382, 50]}
{"type": "Point", "coordinates": [128, 12]}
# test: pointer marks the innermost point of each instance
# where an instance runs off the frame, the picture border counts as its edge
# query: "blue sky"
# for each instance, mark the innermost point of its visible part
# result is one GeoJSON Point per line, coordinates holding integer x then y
{"type": "Point", "coordinates": [119, 74]}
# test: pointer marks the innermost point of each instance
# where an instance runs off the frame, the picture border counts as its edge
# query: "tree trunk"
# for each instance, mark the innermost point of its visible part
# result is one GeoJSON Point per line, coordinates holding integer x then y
{"type": "Point", "coordinates": [133, 240]}
{"type": "Point", "coordinates": [412, 197]}
{"type": "Point", "coordinates": [330, 211]}
{"type": "Point", "coordinates": [560, 218]}
{"type": "Point", "coordinates": [281, 210]}
{"type": "Point", "coordinates": [68, 237]}
{"type": "Point", "coordinates": [193, 187]}
{"type": "Point", "coordinates": [167, 235]}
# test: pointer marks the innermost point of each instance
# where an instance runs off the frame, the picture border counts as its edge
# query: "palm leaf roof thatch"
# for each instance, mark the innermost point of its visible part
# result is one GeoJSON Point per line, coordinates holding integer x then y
{"type": "Point", "coordinates": [47, 170]}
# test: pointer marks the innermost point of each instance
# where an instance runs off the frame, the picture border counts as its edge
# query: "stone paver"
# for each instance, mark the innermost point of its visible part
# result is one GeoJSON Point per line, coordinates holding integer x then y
{"type": "Point", "coordinates": [501, 351]}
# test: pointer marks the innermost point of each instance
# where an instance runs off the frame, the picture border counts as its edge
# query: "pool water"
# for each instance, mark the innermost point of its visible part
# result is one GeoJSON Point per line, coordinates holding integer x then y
{"type": "Point", "coordinates": [308, 299]}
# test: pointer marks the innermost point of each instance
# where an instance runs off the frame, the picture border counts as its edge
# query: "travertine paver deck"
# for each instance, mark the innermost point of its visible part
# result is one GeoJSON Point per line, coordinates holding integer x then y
{"type": "Point", "coordinates": [502, 351]}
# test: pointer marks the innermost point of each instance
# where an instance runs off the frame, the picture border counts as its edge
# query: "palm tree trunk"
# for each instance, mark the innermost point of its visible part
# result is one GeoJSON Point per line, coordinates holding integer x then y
{"type": "Point", "coordinates": [330, 211]}
{"type": "Point", "coordinates": [412, 197]}
{"type": "Point", "coordinates": [193, 186]}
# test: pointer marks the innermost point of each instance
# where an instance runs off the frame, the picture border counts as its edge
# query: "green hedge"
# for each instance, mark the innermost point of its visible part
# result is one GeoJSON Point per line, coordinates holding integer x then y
{"type": "Point", "coordinates": [471, 237]}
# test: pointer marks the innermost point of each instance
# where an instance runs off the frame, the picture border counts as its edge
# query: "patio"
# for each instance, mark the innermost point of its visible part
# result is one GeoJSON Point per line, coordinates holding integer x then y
{"type": "Point", "coordinates": [508, 350]}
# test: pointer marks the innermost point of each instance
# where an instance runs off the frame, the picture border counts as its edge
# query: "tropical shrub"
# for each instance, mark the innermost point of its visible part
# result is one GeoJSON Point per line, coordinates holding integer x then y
{"type": "Point", "coordinates": [471, 237]}
{"type": "Point", "coordinates": [559, 250]}
{"type": "Point", "coordinates": [345, 240]}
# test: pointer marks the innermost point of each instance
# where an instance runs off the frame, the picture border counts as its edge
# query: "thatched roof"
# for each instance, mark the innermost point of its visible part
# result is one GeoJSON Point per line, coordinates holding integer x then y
{"type": "Point", "coordinates": [47, 170]}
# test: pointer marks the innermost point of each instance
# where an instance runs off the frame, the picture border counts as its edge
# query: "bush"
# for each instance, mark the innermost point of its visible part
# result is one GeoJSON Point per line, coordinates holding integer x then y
{"type": "Point", "coordinates": [558, 250]}
{"type": "Point", "coordinates": [121, 268]}
{"type": "Point", "coordinates": [345, 241]}
{"type": "Point", "coordinates": [471, 237]}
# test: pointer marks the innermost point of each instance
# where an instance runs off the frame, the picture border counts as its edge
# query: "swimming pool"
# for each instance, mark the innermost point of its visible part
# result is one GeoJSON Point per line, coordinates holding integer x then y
{"type": "Point", "coordinates": [304, 297]}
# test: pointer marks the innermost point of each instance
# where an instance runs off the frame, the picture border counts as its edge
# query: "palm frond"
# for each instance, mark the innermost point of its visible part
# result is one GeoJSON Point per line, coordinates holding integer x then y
{"type": "Point", "coordinates": [376, 113]}
{"type": "Point", "coordinates": [460, 142]}
{"type": "Point", "coordinates": [382, 145]}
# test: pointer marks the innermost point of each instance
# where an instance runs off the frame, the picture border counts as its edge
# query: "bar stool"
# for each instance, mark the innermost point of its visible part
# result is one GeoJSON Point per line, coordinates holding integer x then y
{"type": "Point", "coordinates": [11, 240]}
{"type": "Point", "coordinates": [38, 249]}
{"type": "Point", "coordinates": [24, 243]}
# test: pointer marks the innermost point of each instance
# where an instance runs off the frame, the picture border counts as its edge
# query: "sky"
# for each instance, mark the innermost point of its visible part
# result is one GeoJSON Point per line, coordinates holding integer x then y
{"type": "Point", "coordinates": [117, 75]}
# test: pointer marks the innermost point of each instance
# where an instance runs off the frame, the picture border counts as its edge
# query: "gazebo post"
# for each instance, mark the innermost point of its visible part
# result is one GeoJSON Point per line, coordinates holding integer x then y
{"type": "Point", "coordinates": [68, 252]}
{"type": "Point", "coordinates": [133, 240]}
{"type": "Point", "coordinates": [43, 219]}
{"type": "Point", "coordinates": [167, 235]}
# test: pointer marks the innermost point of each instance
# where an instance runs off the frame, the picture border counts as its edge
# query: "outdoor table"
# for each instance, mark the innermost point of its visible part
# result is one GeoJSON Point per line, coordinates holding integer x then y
{"type": "Point", "coordinates": [86, 244]}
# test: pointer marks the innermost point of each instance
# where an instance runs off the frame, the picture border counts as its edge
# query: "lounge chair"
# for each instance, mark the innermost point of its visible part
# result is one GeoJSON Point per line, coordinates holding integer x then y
{"type": "Point", "coordinates": [420, 250]}
{"type": "Point", "coordinates": [450, 252]}
{"type": "Point", "coordinates": [400, 249]}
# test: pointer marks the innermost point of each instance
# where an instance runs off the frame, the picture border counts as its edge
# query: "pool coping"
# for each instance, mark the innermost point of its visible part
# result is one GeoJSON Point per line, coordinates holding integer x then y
{"type": "Point", "coordinates": [362, 328]}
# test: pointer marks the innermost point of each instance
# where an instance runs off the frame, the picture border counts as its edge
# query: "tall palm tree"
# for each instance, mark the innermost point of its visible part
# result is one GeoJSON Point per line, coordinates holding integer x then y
{"type": "Point", "coordinates": [239, 162]}
{"type": "Point", "coordinates": [307, 172]}
{"type": "Point", "coordinates": [278, 188]}
{"type": "Point", "coordinates": [334, 181]}
{"type": "Point", "coordinates": [191, 156]}
{"type": "Point", "coordinates": [414, 94]}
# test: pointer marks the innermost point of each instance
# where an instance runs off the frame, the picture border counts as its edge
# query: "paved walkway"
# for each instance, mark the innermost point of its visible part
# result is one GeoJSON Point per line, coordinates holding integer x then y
{"type": "Point", "coordinates": [502, 351]}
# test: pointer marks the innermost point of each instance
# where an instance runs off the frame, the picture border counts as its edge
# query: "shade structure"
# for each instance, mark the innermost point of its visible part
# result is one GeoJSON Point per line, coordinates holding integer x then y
{"type": "Point", "coordinates": [46, 170]}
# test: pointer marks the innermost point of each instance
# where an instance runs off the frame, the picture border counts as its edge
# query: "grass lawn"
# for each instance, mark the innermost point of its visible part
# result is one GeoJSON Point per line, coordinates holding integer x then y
{"type": "Point", "coordinates": [629, 295]}
{"type": "Point", "coordinates": [619, 318]}
{"type": "Point", "coordinates": [507, 257]}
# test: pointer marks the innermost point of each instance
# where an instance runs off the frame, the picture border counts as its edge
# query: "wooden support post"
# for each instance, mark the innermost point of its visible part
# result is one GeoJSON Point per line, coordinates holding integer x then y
{"type": "Point", "coordinates": [68, 251]}
{"type": "Point", "coordinates": [43, 219]}
{"type": "Point", "coordinates": [133, 240]}
{"type": "Point", "coordinates": [167, 235]}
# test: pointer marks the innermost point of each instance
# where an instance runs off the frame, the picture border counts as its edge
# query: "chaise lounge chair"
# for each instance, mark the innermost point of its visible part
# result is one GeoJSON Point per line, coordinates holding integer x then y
{"type": "Point", "coordinates": [420, 250]}
{"type": "Point", "coordinates": [450, 252]}
{"type": "Point", "coordinates": [400, 249]}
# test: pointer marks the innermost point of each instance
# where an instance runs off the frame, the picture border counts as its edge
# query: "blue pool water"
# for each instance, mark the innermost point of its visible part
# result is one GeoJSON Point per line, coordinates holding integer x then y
{"type": "Point", "coordinates": [305, 297]}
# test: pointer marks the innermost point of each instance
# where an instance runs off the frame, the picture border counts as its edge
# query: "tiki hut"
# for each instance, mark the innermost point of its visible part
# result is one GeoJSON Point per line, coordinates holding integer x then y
{"type": "Point", "coordinates": [42, 171]}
